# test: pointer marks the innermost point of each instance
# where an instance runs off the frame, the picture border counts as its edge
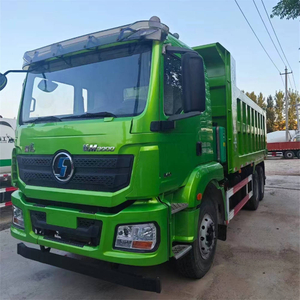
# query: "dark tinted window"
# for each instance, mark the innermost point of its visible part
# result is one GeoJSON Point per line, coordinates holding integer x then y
{"type": "Point", "coordinates": [172, 85]}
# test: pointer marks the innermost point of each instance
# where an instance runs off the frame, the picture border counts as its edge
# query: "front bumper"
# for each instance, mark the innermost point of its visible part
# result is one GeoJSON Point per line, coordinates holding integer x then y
{"type": "Point", "coordinates": [139, 212]}
{"type": "Point", "coordinates": [91, 269]}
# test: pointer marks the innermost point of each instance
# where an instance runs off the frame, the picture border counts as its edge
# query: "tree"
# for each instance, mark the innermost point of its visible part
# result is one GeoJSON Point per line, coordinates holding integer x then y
{"type": "Point", "coordinates": [270, 113]}
{"type": "Point", "coordinates": [279, 106]}
{"type": "Point", "coordinates": [261, 101]}
{"type": "Point", "coordinates": [252, 96]}
{"type": "Point", "coordinates": [289, 9]}
{"type": "Point", "coordinates": [293, 100]}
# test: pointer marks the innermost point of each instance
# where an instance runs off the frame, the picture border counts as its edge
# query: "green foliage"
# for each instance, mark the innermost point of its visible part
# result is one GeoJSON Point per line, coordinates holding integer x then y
{"type": "Point", "coordinates": [270, 114]}
{"type": "Point", "coordinates": [294, 99]}
{"type": "Point", "coordinates": [289, 9]}
{"type": "Point", "coordinates": [275, 114]}
{"type": "Point", "coordinates": [261, 101]}
{"type": "Point", "coordinates": [279, 106]}
{"type": "Point", "coordinates": [252, 96]}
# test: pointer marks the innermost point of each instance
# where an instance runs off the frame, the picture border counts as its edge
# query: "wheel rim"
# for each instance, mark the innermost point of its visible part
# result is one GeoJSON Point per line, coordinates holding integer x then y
{"type": "Point", "coordinates": [289, 155]}
{"type": "Point", "coordinates": [207, 236]}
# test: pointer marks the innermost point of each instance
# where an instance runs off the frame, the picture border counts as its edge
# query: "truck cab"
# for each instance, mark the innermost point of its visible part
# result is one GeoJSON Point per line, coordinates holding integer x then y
{"type": "Point", "coordinates": [118, 154]}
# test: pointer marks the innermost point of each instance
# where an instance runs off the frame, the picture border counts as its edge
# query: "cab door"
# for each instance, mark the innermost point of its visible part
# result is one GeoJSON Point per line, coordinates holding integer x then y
{"type": "Point", "coordinates": [189, 144]}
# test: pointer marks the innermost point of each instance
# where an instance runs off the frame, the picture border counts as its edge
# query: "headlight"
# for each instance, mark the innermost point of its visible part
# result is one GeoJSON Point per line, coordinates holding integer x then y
{"type": "Point", "coordinates": [18, 219]}
{"type": "Point", "coordinates": [136, 236]}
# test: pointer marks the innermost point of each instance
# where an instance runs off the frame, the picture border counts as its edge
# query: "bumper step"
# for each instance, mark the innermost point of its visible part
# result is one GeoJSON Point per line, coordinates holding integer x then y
{"type": "Point", "coordinates": [87, 268]}
{"type": "Point", "coordinates": [176, 207]}
{"type": "Point", "coordinates": [181, 250]}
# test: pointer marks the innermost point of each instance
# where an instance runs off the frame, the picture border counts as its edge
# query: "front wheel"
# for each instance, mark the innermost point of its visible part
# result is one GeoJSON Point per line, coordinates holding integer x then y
{"type": "Point", "coordinates": [199, 260]}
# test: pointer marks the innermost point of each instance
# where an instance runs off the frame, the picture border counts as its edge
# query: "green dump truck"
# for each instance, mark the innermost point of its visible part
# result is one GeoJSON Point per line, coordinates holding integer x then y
{"type": "Point", "coordinates": [134, 149]}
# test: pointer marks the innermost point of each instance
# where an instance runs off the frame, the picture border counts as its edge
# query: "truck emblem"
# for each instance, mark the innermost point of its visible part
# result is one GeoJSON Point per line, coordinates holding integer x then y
{"type": "Point", "coordinates": [96, 148]}
{"type": "Point", "coordinates": [63, 167]}
{"type": "Point", "coordinates": [30, 148]}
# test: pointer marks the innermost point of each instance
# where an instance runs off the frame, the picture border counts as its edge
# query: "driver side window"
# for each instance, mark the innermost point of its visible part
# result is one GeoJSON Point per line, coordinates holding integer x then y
{"type": "Point", "coordinates": [172, 85]}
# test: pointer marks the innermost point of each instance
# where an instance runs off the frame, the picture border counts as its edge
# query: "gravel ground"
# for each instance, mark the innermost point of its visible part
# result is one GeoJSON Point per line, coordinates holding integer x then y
{"type": "Point", "coordinates": [279, 166]}
{"type": "Point", "coordinates": [259, 260]}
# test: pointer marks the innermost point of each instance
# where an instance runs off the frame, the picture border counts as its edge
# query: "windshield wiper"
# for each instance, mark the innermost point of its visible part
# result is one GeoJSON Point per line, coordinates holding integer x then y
{"type": "Point", "coordinates": [42, 119]}
{"type": "Point", "coordinates": [101, 114]}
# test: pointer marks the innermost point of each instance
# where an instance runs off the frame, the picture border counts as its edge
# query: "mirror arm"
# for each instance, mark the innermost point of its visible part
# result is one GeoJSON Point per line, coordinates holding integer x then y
{"type": "Point", "coordinates": [179, 50]}
{"type": "Point", "coordinates": [15, 71]}
{"type": "Point", "coordinates": [161, 126]}
{"type": "Point", "coordinates": [170, 124]}
{"type": "Point", "coordinates": [184, 116]}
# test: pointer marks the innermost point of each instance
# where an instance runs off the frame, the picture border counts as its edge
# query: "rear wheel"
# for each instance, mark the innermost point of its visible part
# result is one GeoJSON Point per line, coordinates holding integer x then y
{"type": "Point", "coordinates": [261, 183]}
{"type": "Point", "coordinates": [289, 154]}
{"type": "Point", "coordinates": [298, 154]}
{"type": "Point", "coordinates": [199, 260]}
{"type": "Point", "coordinates": [253, 203]}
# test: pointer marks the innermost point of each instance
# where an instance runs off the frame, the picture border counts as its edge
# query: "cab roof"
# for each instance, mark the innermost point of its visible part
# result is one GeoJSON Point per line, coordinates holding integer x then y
{"type": "Point", "coordinates": [152, 29]}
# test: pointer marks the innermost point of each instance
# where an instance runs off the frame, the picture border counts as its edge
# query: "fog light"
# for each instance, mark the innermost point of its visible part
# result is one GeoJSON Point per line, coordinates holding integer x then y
{"type": "Point", "coordinates": [137, 236]}
{"type": "Point", "coordinates": [18, 219]}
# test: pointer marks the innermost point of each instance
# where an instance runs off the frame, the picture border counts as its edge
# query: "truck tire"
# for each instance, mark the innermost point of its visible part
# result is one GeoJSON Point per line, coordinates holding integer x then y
{"type": "Point", "coordinates": [253, 203]}
{"type": "Point", "coordinates": [289, 154]}
{"type": "Point", "coordinates": [261, 183]}
{"type": "Point", "coordinates": [298, 154]}
{"type": "Point", "coordinates": [199, 260]}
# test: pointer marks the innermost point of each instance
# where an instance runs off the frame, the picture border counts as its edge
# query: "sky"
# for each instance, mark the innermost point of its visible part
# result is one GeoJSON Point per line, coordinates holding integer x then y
{"type": "Point", "coordinates": [27, 25]}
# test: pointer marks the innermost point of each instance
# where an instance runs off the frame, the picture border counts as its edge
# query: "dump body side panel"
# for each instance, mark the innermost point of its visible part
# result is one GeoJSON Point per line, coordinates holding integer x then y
{"type": "Point", "coordinates": [244, 120]}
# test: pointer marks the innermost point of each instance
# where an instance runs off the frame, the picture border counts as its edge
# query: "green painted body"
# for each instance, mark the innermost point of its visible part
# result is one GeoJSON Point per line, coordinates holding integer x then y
{"type": "Point", "coordinates": [155, 154]}
{"type": "Point", "coordinates": [243, 120]}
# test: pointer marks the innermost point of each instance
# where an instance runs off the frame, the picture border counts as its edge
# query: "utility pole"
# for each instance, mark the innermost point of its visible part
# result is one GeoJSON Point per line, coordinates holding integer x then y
{"type": "Point", "coordinates": [286, 104]}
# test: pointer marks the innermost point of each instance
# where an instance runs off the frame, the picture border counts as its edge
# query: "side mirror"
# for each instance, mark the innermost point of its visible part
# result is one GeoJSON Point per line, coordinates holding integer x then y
{"type": "Point", "coordinates": [3, 81]}
{"type": "Point", "coordinates": [193, 82]}
{"type": "Point", "coordinates": [47, 86]}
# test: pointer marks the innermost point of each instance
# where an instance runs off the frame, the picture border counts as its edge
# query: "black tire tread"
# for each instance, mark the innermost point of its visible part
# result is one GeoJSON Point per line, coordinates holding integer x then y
{"type": "Point", "coordinates": [261, 182]}
{"type": "Point", "coordinates": [190, 265]}
{"type": "Point", "coordinates": [288, 151]}
{"type": "Point", "coordinates": [253, 203]}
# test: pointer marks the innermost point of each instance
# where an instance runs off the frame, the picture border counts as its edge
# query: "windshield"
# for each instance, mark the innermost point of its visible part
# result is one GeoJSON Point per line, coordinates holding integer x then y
{"type": "Point", "coordinates": [109, 82]}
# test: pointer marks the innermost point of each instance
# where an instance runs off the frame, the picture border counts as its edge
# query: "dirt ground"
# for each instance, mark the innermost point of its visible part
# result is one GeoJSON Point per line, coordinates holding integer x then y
{"type": "Point", "coordinates": [259, 260]}
{"type": "Point", "coordinates": [279, 166]}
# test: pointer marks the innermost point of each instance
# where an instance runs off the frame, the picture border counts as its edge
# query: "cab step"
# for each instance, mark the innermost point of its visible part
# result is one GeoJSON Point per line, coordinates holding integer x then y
{"type": "Point", "coordinates": [176, 207]}
{"type": "Point", "coordinates": [180, 250]}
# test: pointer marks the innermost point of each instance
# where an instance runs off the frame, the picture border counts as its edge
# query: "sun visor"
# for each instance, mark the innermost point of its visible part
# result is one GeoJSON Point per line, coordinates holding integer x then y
{"type": "Point", "coordinates": [147, 30]}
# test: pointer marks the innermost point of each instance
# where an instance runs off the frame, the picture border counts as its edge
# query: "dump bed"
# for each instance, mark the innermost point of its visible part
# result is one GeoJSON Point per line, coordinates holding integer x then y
{"type": "Point", "coordinates": [243, 119]}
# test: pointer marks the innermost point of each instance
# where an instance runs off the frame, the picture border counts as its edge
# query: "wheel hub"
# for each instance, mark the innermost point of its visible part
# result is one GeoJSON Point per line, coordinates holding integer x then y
{"type": "Point", "coordinates": [207, 236]}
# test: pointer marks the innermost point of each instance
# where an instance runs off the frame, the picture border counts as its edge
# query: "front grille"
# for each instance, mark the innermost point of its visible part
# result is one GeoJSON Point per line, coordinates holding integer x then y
{"type": "Point", "coordinates": [87, 233]}
{"type": "Point", "coordinates": [100, 163]}
{"type": "Point", "coordinates": [107, 173]}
